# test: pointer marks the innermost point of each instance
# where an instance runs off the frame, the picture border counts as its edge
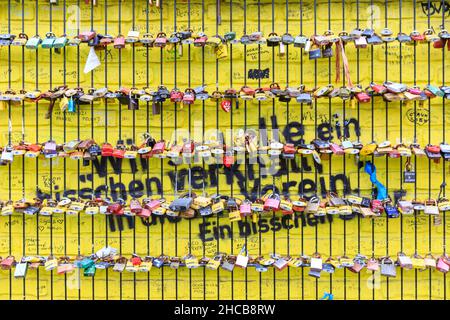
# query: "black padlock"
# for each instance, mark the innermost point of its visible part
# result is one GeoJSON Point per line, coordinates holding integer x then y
{"type": "Point", "coordinates": [327, 52]}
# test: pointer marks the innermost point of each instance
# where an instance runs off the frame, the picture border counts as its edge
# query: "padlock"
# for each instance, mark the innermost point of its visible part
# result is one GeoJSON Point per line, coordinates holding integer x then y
{"type": "Point", "coordinates": [191, 261]}
{"type": "Point", "coordinates": [404, 261]}
{"type": "Point", "coordinates": [245, 208]}
{"type": "Point", "coordinates": [119, 42]}
{"type": "Point", "coordinates": [273, 40]}
{"type": "Point", "coordinates": [418, 262]}
{"type": "Point", "coordinates": [86, 36]}
{"type": "Point", "coordinates": [188, 96]}
{"type": "Point", "coordinates": [442, 265]}
{"type": "Point", "coordinates": [21, 40]}
{"type": "Point", "coordinates": [33, 42]}
{"type": "Point", "coordinates": [7, 263]}
{"type": "Point", "coordinates": [120, 264]}
{"type": "Point", "coordinates": [313, 205]}
{"type": "Point", "coordinates": [361, 42]}
{"type": "Point", "coordinates": [20, 271]}
{"type": "Point", "coordinates": [315, 52]}
{"type": "Point", "coordinates": [300, 41]}
{"type": "Point", "coordinates": [132, 36]}
{"type": "Point", "coordinates": [430, 261]}
{"type": "Point", "coordinates": [242, 258]}
{"type": "Point", "coordinates": [272, 203]}
{"type": "Point", "coordinates": [387, 267]}
{"type": "Point", "coordinates": [373, 264]}
{"type": "Point", "coordinates": [431, 207]}
{"type": "Point", "coordinates": [146, 264]}
{"type": "Point", "coordinates": [51, 263]}
{"type": "Point", "coordinates": [60, 42]}
{"type": "Point", "coordinates": [228, 263]}
{"type": "Point", "coordinates": [182, 203]}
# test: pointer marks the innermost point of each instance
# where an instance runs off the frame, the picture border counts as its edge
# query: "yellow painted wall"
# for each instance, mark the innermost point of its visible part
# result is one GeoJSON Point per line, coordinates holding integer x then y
{"type": "Point", "coordinates": [31, 235]}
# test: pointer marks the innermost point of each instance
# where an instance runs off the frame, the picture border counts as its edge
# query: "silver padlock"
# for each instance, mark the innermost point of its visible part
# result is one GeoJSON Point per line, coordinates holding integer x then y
{"type": "Point", "coordinates": [7, 155]}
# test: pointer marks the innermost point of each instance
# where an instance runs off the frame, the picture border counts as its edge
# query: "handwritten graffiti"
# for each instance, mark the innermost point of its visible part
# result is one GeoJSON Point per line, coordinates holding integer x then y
{"type": "Point", "coordinates": [430, 8]}
{"type": "Point", "coordinates": [420, 116]}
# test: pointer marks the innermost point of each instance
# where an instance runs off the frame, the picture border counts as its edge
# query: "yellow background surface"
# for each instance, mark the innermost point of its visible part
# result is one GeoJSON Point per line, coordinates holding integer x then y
{"type": "Point", "coordinates": [30, 235]}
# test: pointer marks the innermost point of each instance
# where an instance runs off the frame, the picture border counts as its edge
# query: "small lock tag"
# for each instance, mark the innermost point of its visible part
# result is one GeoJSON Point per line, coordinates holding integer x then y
{"type": "Point", "coordinates": [409, 176]}
{"type": "Point", "coordinates": [221, 51]}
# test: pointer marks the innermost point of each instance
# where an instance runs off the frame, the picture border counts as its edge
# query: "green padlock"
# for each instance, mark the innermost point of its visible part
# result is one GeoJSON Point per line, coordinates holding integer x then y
{"type": "Point", "coordinates": [229, 36]}
{"type": "Point", "coordinates": [60, 42]}
{"type": "Point", "coordinates": [47, 43]}
{"type": "Point", "coordinates": [90, 272]}
{"type": "Point", "coordinates": [33, 43]}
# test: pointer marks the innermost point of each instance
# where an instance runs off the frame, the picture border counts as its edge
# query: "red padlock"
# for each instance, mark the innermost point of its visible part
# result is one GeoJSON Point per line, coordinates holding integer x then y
{"type": "Point", "coordinates": [119, 151]}
{"type": "Point", "coordinates": [159, 147]}
{"type": "Point", "coordinates": [136, 260]}
{"type": "Point", "coordinates": [362, 97]}
{"type": "Point", "coordinates": [299, 205]}
{"type": "Point", "coordinates": [377, 206]}
{"type": "Point", "coordinates": [272, 203]}
{"type": "Point", "coordinates": [248, 91]}
{"type": "Point", "coordinates": [378, 88]}
{"type": "Point", "coordinates": [417, 36]}
{"type": "Point", "coordinates": [228, 159]}
{"type": "Point", "coordinates": [189, 96]}
{"type": "Point", "coordinates": [176, 95]}
{"type": "Point", "coordinates": [439, 44]}
{"type": "Point", "coordinates": [107, 150]}
{"type": "Point", "coordinates": [200, 41]}
{"type": "Point", "coordinates": [289, 148]}
{"type": "Point", "coordinates": [115, 208]}
{"type": "Point", "coordinates": [226, 105]}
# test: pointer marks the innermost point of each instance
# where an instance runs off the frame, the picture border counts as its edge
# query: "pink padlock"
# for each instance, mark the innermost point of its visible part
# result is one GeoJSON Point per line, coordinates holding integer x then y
{"type": "Point", "coordinates": [272, 202]}
{"type": "Point", "coordinates": [415, 90]}
{"type": "Point", "coordinates": [442, 266]}
{"type": "Point", "coordinates": [245, 208]}
{"type": "Point", "coordinates": [337, 150]}
{"type": "Point", "coordinates": [151, 204]}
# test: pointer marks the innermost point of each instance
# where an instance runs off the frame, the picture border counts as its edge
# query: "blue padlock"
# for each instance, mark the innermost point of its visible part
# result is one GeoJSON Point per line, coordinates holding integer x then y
{"type": "Point", "coordinates": [90, 271]}
{"type": "Point", "coordinates": [391, 211]}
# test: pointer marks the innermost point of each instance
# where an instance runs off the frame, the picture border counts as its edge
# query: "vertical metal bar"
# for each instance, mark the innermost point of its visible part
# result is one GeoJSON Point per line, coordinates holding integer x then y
{"type": "Point", "coordinates": [106, 139]}
{"type": "Point", "coordinates": [429, 160]}
{"type": "Point", "coordinates": [316, 233]}
{"type": "Point", "coordinates": [444, 225]}
{"type": "Point", "coordinates": [51, 160]}
{"type": "Point", "coordinates": [9, 143]}
{"type": "Point", "coordinates": [287, 161]}
{"type": "Point", "coordinates": [78, 162]}
{"type": "Point", "coordinates": [92, 164]}
{"type": "Point", "coordinates": [273, 133]}
{"type": "Point", "coordinates": [161, 57]}
{"type": "Point", "coordinates": [245, 130]}
{"type": "Point", "coordinates": [148, 131]}
{"type": "Point", "coordinates": [24, 236]}
{"type": "Point", "coordinates": [302, 252]}
{"type": "Point", "coordinates": [259, 163]}
{"type": "Point", "coordinates": [231, 136]}
{"type": "Point", "coordinates": [176, 166]}
{"type": "Point", "coordinates": [65, 139]}
{"type": "Point", "coordinates": [120, 138]}
{"type": "Point", "coordinates": [37, 141]}
{"type": "Point", "coordinates": [134, 133]}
